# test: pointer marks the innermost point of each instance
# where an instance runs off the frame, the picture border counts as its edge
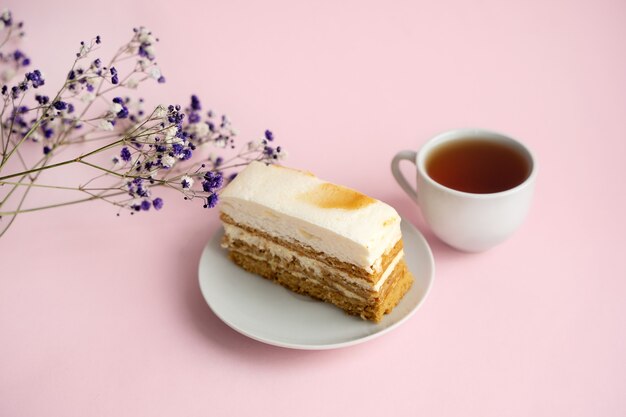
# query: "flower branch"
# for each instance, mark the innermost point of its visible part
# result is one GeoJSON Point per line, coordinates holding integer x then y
{"type": "Point", "coordinates": [191, 151]}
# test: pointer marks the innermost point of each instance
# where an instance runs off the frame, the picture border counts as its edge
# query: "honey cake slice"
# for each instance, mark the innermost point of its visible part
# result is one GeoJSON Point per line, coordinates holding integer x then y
{"type": "Point", "coordinates": [316, 238]}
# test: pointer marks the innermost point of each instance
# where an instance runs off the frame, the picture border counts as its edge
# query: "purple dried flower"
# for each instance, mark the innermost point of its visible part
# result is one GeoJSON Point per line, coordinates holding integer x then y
{"type": "Point", "coordinates": [125, 154]}
{"type": "Point", "coordinates": [212, 181]}
{"type": "Point", "coordinates": [269, 135]}
{"type": "Point", "coordinates": [211, 201]}
{"type": "Point", "coordinates": [35, 78]}
{"type": "Point", "coordinates": [114, 77]}
{"type": "Point", "coordinates": [195, 103]}
{"type": "Point", "coordinates": [145, 205]}
{"type": "Point", "coordinates": [59, 105]}
{"type": "Point", "coordinates": [42, 100]}
{"type": "Point", "coordinates": [187, 154]}
{"type": "Point", "coordinates": [194, 117]}
{"type": "Point", "coordinates": [48, 132]}
{"type": "Point", "coordinates": [157, 203]}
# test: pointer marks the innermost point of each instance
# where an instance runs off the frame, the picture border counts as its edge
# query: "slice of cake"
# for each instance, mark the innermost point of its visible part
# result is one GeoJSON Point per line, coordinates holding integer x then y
{"type": "Point", "coordinates": [316, 238]}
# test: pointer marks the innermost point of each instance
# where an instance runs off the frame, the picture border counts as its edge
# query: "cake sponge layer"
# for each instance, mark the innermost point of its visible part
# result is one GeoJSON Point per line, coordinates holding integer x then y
{"type": "Point", "coordinates": [372, 309]}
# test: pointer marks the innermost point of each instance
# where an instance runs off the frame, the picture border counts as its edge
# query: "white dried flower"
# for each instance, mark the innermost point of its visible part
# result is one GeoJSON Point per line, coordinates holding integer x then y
{"type": "Point", "coordinates": [7, 73]}
{"type": "Point", "coordinates": [160, 111]}
{"type": "Point", "coordinates": [132, 83]}
{"type": "Point", "coordinates": [221, 142]}
{"type": "Point", "coordinates": [255, 145]}
{"type": "Point", "coordinates": [170, 133]}
{"type": "Point", "coordinates": [106, 125]}
{"type": "Point", "coordinates": [150, 51]}
{"type": "Point", "coordinates": [199, 129]}
{"type": "Point", "coordinates": [155, 73]}
{"type": "Point", "coordinates": [168, 161]}
{"type": "Point", "coordinates": [116, 108]}
{"type": "Point", "coordinates": [186, 181]}
{"type": "Point", "coordinates": [143, 64]}
{"type": "Point", "coordinates": [87, 97]}
{"type": "Point", "coordinates": [145, 36]}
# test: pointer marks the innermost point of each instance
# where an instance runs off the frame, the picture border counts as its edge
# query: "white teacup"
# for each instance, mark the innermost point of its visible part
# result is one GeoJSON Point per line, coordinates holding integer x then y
{"type": "Point", "coordinates": [468, 221]}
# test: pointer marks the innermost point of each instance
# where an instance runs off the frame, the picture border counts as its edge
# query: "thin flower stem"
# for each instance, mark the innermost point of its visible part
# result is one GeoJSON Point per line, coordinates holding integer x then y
{"type": "Point", "coordinates": [67, 203]}
{"type": "Point", "coordinates": [117, 174]}
{"type": "Point", "coordinates": [4, 107]}
{"type": "Point", "coordinates": [6, 157]}
{"type": "Point", "coordinates": [43, 160]}
{"type": "Point", "coordinates": [58, 187]}
{"type": "Point", "coordinates": [69, 161]}
{"type": "Point", "coordinates": [8, 37]}
{"type": "Point", "coordinates": [6, 145]}
{"type": "Point", "coordinates": [97, 177]}
{"type": "Point", "coordinates": [19, 206]}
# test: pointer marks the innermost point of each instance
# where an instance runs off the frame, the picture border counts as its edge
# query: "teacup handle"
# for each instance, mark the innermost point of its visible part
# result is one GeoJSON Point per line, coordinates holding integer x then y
{"type": "Point", "coordinates": [395, 170]}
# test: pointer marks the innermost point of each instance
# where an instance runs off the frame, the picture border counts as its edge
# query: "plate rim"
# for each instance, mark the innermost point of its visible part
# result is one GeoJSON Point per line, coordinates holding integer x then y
{"type": "Point", "coordinates": [328, 346]}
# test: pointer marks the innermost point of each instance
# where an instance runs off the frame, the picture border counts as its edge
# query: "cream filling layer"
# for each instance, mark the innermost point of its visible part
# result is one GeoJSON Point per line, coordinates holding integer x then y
{"type": "Point", "coordinates": [389, 270]}
{"type": "Point", "coordinates": [344, 291]}
{"type": "Point", "coordinates": [315, 266]}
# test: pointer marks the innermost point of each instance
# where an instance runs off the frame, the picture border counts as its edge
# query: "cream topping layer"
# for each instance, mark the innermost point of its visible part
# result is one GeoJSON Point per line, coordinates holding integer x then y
{"type": "Point", "coordinates": [315, 266]}
{"type": "Point", "coordinates": [301, 208]}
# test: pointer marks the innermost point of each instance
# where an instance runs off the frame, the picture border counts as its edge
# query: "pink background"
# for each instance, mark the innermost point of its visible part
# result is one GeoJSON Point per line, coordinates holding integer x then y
{"type": "Point", "coordinates": [102, 316]}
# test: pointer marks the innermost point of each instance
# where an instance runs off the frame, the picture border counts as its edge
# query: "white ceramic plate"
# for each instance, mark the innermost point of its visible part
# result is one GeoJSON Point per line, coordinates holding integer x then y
{"type": "Point", "coordinates": [267, 312]}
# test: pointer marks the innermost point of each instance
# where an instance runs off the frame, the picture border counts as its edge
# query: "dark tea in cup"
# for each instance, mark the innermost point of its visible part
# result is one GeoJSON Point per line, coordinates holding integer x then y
{"type": "Point", "coordinates": [477, 165]}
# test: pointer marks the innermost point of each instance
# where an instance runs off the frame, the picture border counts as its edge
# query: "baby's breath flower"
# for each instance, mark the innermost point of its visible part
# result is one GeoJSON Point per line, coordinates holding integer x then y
{"type": "Point", "coordinates": [106, 125]}
{"type": "Point", "coordinates": [165, 147]}
{"type": "Point", "coordinates": [7, 74]}
{"type": "Point", "coordinates": [186, 181]}
{"type": "Point", "coordinates": [155, 73]}
{"type": "Point", "coordinates": [132, 83]}
{"type": "Point", "coordinates": [87, 97]}
{"type": "Point", "coordinates": [168, 161]}
{"type": "Point", "coordinates": [161, 111]}
{"type": "Point", "coordinates": [125, 154]}
{"type": "Point", "coordinates": [157, 203]}
{"type": "Point", "coordinates": [254, 145]}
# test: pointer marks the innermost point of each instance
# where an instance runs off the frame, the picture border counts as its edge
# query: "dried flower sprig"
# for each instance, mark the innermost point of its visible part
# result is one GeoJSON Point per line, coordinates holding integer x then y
{"type": "Point", "coordinates": [168, 147]}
